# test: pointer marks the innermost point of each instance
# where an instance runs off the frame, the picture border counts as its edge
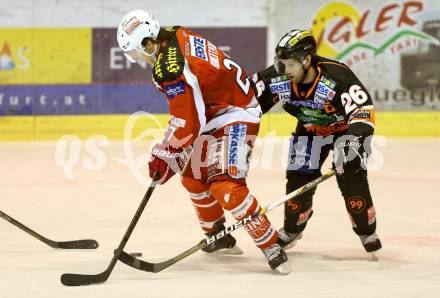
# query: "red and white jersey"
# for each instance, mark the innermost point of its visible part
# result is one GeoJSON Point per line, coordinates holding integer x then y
{"type": "Point", "coordinates": [205, 88]}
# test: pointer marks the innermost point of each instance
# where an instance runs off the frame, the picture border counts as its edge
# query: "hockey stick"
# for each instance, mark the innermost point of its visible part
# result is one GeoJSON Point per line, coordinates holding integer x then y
{"type": "Point", "coordinates": [72, 279]}
{"type": "Point", "coordinates": [74, 244]}
{"type": "Point", "coordinates": [157, 267]}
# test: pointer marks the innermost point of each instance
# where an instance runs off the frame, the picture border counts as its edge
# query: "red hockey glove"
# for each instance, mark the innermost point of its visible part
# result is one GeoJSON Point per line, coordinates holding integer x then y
{"type": "Point", "coordinates": [164, 161]}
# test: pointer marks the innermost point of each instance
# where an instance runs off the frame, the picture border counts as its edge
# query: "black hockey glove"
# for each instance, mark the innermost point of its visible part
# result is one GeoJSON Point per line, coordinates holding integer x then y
{"type": "Point", "coordinates": [350, 155]}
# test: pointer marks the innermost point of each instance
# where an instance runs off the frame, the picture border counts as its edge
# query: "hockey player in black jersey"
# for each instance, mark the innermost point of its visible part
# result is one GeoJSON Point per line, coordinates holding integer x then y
{"type": "Point", "coordinates": [334, 112]}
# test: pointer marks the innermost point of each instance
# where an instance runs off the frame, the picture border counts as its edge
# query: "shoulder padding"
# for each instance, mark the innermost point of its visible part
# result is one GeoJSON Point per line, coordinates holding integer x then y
{"type": "Point", "coordinates": [340, 71]}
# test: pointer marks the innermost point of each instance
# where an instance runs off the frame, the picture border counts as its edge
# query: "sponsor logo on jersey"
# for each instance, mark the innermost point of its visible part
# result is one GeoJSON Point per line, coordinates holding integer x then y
{"type": "Point", "coordinates": [284, 97]}
{"type": "Point", "coordinates": [325, 91]}
{"type": "Point", "coordinates": [171, 62]}
{"type": "Point", "coordinates": [279, 87]}
{"type": "Point", "coordinates": [157, 66]}
{"type": "Point", "coordinates": [322, 88]}
{"type": "Point", "coordinates": [236, 147]}
{"type": "Point", "coordinates": [279, 79]}
{"type": "Point", "coordinates": [313, 114]}
{"type": "Point", "coordinates": [282, 88]}
{"type": "Point", "coordinates": [198, 47]}
{"type": "Point", "coordinates": [331, 94]}
{"type": "Point", "coordinates": [308, 104]}
{"type": "Point", "coordinates": [213, 55]}
{"type": "Point", "coordinates": [175, 89]}
{"type": "Point", "coordinates": [328, 82]}
{"type": "Point", "coordinates": [319, 99]}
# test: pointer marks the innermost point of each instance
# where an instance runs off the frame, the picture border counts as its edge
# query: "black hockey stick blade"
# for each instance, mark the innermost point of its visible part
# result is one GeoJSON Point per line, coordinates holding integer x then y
{"type": "Point", "coordinates": [77, 244]}
{"type": "Point", "coordinates": [74, 280]}
{"type": "Point", "coordinates": [74, 244]}
{"type": "Point", "coordinates": [157, 267]}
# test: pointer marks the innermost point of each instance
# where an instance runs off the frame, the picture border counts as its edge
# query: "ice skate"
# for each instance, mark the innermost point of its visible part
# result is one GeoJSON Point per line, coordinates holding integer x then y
{"type": "Point", "coordinates": [277, 259]}
{"type": "Point", "coordinates": [225, 245]}
{"type": "Point", "coordinates": [371, 242]}
{"type": "Point", "coordinates": [288, 240]}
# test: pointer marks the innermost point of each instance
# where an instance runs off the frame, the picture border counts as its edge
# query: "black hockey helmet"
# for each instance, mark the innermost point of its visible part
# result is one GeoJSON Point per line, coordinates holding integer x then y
{"type": "Point", "coordinates": [296, 44]}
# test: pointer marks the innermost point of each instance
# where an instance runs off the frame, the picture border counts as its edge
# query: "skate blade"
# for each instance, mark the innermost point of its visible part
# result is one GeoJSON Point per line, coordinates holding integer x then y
{"type": "Point", "coordinates": [283, 268]}
{"type": "Point", "coordinates": [374, 256]}
{"type": "Point", "coordinates": [228, 251]}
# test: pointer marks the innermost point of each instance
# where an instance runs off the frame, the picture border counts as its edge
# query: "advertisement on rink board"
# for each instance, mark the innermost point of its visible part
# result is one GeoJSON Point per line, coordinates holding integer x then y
{"type": "Point", "coordinates": [79, 99]}
{"type": "Point", "coordinates": [78, 71]}
{"type": "Point", "coordinates": [45, 56]}
{"type": "Point", "coordinates": [392, 46]}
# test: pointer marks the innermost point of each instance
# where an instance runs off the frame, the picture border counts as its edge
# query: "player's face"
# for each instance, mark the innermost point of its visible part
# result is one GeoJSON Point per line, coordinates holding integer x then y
{"type": "Point", "coordinates": [293, 68]}
{"type": "Point", "coordinates": [148, 54]}
{"type": "Point", "coordinates": [151, 49]}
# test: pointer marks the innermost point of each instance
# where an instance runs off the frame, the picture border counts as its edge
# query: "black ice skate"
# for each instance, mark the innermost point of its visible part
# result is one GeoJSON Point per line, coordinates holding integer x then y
{"type": "Point", "coordinates": [371, 242]}
{"type": "Point", "coordinates": [277, 259]}
{"type": "Point", "coordinates": [225, 245]}
{"type": "Point", "coordinates": [288, 240]}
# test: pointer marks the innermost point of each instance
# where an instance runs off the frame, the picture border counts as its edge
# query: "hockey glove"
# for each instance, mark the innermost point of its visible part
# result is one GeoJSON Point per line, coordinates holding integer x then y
{"type": "Point", "coordinates": [164, 161]}
{"type": "Point", "coordinates": [349, 155]}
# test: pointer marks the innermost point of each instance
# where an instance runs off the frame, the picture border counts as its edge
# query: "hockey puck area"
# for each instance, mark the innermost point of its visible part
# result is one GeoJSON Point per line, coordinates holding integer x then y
{"type": "Point", "coordinates": [135, 254]}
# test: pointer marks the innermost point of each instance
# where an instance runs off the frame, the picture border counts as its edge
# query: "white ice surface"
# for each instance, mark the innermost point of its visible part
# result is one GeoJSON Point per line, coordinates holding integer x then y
{"type": "Point", "coordinates": [328, 262]}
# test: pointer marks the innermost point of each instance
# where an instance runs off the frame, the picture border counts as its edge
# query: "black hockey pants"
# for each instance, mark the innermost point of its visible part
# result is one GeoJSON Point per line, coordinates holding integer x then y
{"type": "Point", "coordinates": [306, 156]}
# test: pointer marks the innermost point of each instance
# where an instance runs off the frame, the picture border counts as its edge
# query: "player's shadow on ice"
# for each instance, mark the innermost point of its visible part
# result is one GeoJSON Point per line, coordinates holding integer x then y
{"type": "Point", "coordinates": [301, 261]}
{"type": "Point", "coordinates": [298, 255]}
{"type": "Point", "coordinates": [205, 264]}
{"type": "Point", "coordinates": [344, 259]}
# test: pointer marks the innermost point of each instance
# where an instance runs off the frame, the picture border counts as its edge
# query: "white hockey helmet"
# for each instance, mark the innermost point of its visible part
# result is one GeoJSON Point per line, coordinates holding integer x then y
{"type": "Point", "coordinates": [134, 27]}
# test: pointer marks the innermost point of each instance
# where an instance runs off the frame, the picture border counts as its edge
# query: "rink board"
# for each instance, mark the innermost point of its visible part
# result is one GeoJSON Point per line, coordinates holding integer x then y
{"type": "Point", "coordinates": [13, 128]}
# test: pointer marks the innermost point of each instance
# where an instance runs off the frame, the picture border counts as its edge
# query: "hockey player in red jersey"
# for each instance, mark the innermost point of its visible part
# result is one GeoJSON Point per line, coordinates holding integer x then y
{"type": "Point", "coordinates": [334, 112]}
{"type": "Point", "coordinates": [214, 121]}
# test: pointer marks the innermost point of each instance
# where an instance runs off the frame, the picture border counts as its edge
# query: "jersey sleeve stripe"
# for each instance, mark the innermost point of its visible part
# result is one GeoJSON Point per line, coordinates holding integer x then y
{"type": "Point", "coordinates": [192, 80]}
{"type": "Point", "coordinates": [362, 121]}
